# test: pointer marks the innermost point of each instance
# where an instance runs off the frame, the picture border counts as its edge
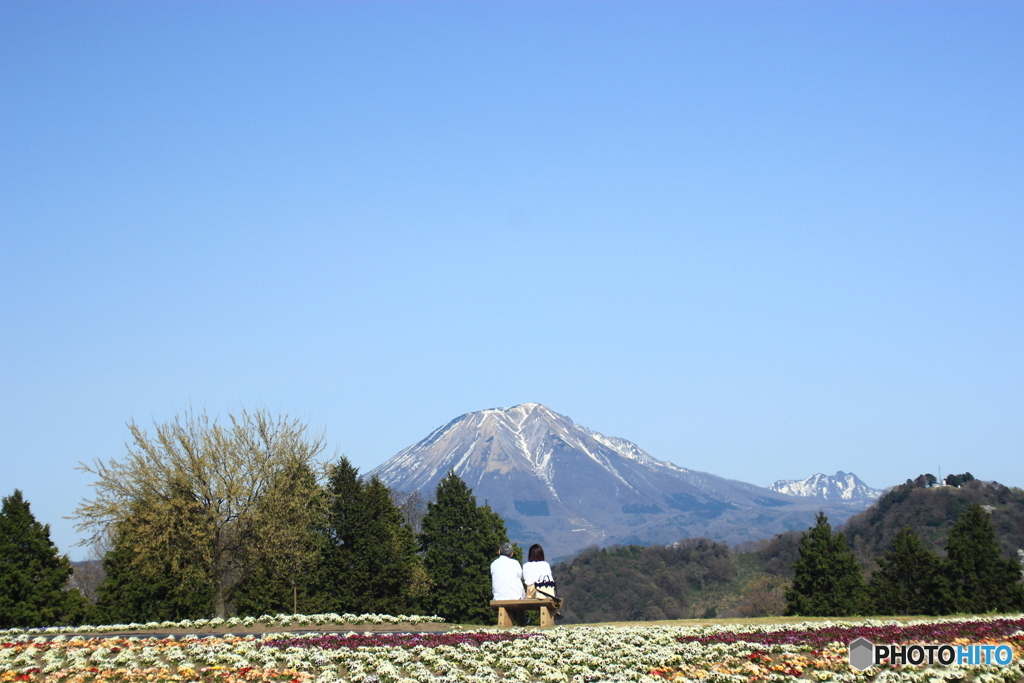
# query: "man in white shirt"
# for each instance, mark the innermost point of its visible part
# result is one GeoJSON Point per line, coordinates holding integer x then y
{"type": "Point", "coordinates": [507, 575]}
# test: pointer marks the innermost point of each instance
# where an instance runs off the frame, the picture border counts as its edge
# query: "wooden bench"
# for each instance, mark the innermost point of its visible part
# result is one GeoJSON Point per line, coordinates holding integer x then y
{"type": "Point", "coordinates": [510, 611]}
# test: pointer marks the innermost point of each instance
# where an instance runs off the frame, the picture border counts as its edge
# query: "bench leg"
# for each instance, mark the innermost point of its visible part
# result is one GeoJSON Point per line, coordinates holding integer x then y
{"type": "Point", "coordinates": [547, 616]}
{"type": "Point", "coordinates": [511, 617]}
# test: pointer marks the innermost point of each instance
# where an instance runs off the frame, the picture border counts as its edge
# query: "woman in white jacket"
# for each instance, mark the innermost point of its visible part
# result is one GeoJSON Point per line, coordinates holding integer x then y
{"type": "Point", "coordinates": [536, 569]}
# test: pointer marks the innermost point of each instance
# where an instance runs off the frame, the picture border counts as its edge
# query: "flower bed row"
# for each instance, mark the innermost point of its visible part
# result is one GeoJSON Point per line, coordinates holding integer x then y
{"type": "Point", "coordinates": [267, 620]}
{"type": "Point", "coordinates": [921, 632]}
{"type": "Point", "coordinates": [406, 640]}
{"type": "Point", "coordinates": [566, 654]}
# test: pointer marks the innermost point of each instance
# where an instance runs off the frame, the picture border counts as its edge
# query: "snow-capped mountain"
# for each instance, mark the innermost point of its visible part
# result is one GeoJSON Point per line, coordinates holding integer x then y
{"type": "Point", "coordinates": [567, 486]}
{"type": "Point", "coordinates": [845, 487]}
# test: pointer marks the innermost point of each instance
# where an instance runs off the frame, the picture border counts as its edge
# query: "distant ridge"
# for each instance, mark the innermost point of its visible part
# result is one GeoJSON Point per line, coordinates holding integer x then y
{"type": "Point", "coordinates": [846, 487]}
{"type": "Point", "coordinates": [567, 486]}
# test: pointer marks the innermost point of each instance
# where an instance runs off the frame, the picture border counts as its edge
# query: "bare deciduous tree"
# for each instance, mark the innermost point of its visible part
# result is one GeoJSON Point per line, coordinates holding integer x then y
{"type": "Point", "coordinates": [764, 596]}
{"type": "Point", "coordinates": [413, 506]}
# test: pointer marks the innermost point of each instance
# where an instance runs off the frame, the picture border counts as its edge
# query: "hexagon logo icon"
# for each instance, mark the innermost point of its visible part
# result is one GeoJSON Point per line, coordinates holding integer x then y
{"type": "Point", "coordinates": [862, 654]}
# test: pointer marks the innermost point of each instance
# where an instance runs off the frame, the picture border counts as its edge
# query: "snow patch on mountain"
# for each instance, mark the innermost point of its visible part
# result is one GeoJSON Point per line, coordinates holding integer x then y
{"type": "Point", "coordinates": [843, 487]}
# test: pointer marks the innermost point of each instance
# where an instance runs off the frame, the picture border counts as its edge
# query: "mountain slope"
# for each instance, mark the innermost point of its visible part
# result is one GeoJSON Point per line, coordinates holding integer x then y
{"type": "Point", "coordinates": [568, 487]}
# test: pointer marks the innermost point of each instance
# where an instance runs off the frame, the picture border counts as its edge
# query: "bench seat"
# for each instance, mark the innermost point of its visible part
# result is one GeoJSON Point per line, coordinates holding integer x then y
{"type": "Point", "coordinates": [508, 608]}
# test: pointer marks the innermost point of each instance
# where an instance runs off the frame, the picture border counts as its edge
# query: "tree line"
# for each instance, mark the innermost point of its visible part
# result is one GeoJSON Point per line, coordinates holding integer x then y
{"type": "Point", "coordinates": [921, 549]}
{"type": "Point", "coordinates": [206, 519]}
{"type": "Point", "coordinates": [910, 579]}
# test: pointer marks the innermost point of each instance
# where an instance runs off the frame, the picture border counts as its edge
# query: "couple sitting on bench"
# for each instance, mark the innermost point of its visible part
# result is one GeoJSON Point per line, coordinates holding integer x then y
{"type": "Point", "coordinates": [507, 579]}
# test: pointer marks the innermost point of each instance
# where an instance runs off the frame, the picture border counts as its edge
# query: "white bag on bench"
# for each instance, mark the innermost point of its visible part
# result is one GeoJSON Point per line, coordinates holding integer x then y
{"type": "Point", "coordinates": [543, 589]}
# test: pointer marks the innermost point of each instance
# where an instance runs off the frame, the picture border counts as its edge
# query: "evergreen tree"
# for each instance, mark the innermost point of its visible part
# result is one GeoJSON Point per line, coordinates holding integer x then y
{"type": "Point", "coordinates": [386, 548]}
{"type": "Point", "coordinates": [826, 579]}
{"type": "Point", "coordinates": [372, 556]}
{"type": "Point", "coordinates": [305, 591]}
{"type": "Point", "coordinates": [982, 581]}
{"type": "Point", "coordinates": [459, 541]}
{"type": "Point", "coordinates": [344, 518]}
{"type": "Point", "coordinates": [149, 587]}
{"type": "Point", "coordinates": [959, 479]}
{"type": "Point", "coordinates": [33, 577]}
{"type": "Point", "coordinates": [134, 593]}
{"type": "Point", "coordinates": [909, 579]}
{"type": "Point", "coordinates": [297, 583]}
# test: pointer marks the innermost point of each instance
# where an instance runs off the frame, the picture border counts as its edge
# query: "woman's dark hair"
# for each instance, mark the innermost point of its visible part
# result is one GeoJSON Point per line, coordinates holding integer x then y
{"type": "Point", "coordinates": [536, 553]}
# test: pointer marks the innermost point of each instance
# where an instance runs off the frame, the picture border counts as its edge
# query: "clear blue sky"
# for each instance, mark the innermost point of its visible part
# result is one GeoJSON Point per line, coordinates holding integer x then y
{"type": "Point", "coordinates": [761, 240]}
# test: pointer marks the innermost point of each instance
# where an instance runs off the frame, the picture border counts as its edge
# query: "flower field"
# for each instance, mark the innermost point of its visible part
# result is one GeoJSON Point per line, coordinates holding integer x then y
{"type": "Point", "coordinates": [653, 653]}
{"type": "Point", "coordinates": [267, 621]}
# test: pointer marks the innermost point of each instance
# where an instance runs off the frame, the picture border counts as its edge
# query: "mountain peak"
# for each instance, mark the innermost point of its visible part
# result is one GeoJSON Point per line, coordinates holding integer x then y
{"type": "Point", "coordinates": [557, 482]}
{"type": "Point", "coordinates": [844, 486]}
{"type": "Point", "coordinates": [518, 414]}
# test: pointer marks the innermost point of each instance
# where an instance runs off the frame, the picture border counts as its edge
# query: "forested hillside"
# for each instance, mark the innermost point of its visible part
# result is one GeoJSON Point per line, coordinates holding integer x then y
{"type": "Point", "coordinates": [695, 577]}
{"type": "Point", "coordinates": [701, 578]}
{"type": "Point", "coordinates": [931, 511]}
{"type": "Point", "coordinates": [629, 583]}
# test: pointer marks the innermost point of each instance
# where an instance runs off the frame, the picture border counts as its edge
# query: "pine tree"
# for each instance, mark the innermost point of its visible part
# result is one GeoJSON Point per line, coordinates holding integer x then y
{"type": "Point", "coordinates": [372, 552]}
{"type": "Point", "coordinates": [150, 587]}
{"type": "Point", "coordinates": [130, 593]}
{"type": "Point", "coordinates": [982, 581]}
{"type": "Point", "coordinates": [344, 518]}
{"type": "Point", "coordinates": [909, 579]}
{"type": "Point", "coordinates": [459, 541]}
{"type": "Point", "coordinates": [386, 549]}
{"type": "Point", "coordinates": [33, 577]}
{"type": "Point", "coordinates": [826, 579]}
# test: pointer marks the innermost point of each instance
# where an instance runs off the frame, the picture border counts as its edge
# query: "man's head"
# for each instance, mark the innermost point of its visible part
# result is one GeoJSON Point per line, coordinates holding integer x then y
{"type": "Point", "coordinates": [506, 550]}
